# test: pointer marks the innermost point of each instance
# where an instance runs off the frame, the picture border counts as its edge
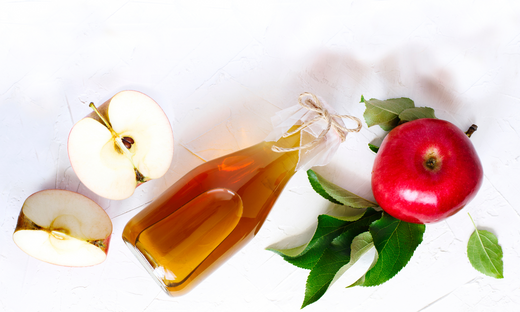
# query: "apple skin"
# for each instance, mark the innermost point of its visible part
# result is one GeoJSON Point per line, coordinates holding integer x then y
{"type": "Point", "coordinates": [425, 171]}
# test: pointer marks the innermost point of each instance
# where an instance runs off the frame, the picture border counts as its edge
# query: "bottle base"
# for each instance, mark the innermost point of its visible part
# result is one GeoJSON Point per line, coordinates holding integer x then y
{"type": "Point", "coordinates": [149, 268]}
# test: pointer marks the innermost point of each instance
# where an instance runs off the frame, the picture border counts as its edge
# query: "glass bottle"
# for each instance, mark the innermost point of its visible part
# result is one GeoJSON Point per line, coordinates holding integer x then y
{"type": "Point", "coordinates": [215, 209]}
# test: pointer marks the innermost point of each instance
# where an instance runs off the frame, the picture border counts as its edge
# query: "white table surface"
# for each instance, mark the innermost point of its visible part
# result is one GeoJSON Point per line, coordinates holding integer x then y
{"type": "Point", "coordinates": [220, 70]}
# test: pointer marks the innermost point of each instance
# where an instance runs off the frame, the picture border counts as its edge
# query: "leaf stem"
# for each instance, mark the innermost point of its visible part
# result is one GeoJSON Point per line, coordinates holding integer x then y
{"type": "Point", "coordinates": [474, 225]}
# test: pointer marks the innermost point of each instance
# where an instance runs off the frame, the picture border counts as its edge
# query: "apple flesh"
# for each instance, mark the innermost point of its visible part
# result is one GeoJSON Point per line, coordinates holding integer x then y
{"type": "Point", "coordinates": [425, 171]}
{"type": "Point", "coordinates": [124, 143]}
{"type": "Point", "coordinates": [63, 228]}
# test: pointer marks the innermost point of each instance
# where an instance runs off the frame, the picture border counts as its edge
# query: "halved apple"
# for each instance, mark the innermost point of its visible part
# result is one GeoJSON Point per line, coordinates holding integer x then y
{"type": "Point", "coordinates": [128, 141]}
{"type": "Point", "coordinates": [63, 228]}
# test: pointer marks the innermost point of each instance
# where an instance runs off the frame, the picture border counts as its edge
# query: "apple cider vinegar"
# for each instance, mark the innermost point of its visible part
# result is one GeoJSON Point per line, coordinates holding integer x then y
{"type": "Point", "coordinates": [209, 214]}
{"type": "Point", "coordinates": [215, 209]}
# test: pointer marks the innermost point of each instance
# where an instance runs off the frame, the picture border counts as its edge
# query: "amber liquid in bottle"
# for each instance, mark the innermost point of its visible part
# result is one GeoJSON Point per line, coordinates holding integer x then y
{"type": "Point", "coordinates": [209, 214]}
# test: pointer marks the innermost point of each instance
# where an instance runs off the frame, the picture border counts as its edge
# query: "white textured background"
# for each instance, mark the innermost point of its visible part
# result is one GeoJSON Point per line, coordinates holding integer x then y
{"type": "Point", "coordinates": [227, 66]}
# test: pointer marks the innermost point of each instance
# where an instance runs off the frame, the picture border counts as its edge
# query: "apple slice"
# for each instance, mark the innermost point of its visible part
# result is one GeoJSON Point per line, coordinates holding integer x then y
{"type": "Point", "coordinates": [63, 228]}
{"type": "Point", "coordinates": [125, 143]}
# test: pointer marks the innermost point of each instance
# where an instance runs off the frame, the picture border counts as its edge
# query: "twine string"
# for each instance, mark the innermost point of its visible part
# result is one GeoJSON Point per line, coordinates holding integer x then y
{"type": "Point", "coordinates": [315, 105]}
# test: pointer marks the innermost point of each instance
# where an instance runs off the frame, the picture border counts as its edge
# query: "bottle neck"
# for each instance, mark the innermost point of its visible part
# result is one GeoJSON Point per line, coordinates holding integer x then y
{"type": "Point", "coordinates": [289, 159]}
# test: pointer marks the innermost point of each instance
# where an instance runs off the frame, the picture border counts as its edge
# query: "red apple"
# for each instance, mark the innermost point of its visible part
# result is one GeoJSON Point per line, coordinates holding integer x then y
{"type": "Point", "coordinates": [425, 171]}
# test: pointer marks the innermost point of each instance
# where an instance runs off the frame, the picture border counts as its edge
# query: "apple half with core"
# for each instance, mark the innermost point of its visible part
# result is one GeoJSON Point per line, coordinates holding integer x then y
{"type": "Point", "coordinates": [425, 171]}
{"type": "Point", "coordinates": [64, 228]}
{"type": "Point", "coordinates": [124, 143]}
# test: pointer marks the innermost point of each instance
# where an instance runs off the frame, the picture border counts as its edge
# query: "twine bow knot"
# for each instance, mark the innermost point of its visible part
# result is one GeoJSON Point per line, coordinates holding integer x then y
{"type": "Point", "coordinates": [315, 105]}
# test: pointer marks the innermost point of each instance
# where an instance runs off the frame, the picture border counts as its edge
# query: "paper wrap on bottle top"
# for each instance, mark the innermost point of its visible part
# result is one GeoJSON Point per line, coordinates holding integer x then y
{"type": "Point", "coordinates": [323, 151]}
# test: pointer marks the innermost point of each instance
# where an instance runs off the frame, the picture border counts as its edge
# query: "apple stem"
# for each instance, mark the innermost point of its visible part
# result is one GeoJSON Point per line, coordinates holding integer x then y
{"type": "Point", "coordinates": [117, 138]}
{"type": "Point", "coordinates": [471, 129]}
{"type": "Point", "coordinates": [107, 124]}
{"type": "Point", "coordinates": [124, 144]}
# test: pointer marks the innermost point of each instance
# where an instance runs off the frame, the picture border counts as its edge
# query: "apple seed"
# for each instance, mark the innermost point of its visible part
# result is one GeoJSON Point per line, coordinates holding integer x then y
{"type": "Point", "coordinates": [128, 141]}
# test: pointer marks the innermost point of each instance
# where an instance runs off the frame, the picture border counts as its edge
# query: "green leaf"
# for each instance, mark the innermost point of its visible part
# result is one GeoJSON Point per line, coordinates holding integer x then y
{"type": "Point", "coordinates": [335, 193]}
{"type": "Point", "coordinates": [485, 254]}
{"type": "Point", "coordinates": [343, 252]}
{"type": "Point", "coordinates": [316, 185]}
{"type": "Point", "coordinates": [417, 113]}
{"type": "Point", "coordinates": [373, 148]}
{"type": "Point", "coordinates": [395, 242]}
{"type": "Point", "coordinates": [360, 246]}
{"type": "Point", "coordinates": [385, 113]}
{"type": "Point", "coordinates": [307, 255]}
{"type": "Point", "coordinates": [349, 213]}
